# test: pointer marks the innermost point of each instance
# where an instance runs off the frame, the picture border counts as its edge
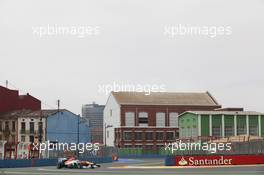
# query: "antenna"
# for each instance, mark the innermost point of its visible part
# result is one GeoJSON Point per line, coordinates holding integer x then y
{"type": "Point", "coordinates": [6, 83]}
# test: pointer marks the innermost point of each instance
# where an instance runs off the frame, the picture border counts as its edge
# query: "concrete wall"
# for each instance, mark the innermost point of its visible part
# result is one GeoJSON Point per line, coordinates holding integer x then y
{"type": "Point", "coordinates": [45, 162]}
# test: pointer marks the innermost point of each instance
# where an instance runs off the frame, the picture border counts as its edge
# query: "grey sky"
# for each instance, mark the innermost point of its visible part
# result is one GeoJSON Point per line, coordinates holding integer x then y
{"type": "Point", "coordinates": [132, 48]}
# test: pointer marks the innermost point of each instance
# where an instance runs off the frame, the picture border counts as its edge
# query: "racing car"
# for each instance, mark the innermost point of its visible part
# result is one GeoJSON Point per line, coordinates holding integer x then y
{"type": "Point", "coordinates": [75, 163]}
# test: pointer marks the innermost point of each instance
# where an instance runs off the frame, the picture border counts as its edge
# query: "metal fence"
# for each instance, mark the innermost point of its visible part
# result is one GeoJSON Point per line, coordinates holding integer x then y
{"type": "Point", "coordinates": [102, 152]}
{"type": "Point", "coordinates": [244, 147]}
{"type": "Point", "coordinates": [27, 151]}
{"type": "Point", "coordinates": [248, 147]}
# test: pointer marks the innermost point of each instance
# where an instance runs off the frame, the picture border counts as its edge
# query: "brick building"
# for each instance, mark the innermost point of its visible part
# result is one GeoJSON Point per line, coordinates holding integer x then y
{"type": "Point", "coordinates": [13, 105]}
{"type": "Point", "coordinates": [133, 119]}
{"type": "Point", "coordinates": [10, 100]}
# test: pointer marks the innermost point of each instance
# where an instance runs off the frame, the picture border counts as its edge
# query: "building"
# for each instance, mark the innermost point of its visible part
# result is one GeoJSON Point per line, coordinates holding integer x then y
{"type": "Point", "coordinates": [219, 124]}
{"type": "Point", "coordinates": [133, 119]}
{"type": "Point", "coordinates": [10, 100]}
{"type": "Point", "coordinates": [8, 127]}
{"type": "Point", "coordinates": [24, 126]}
{"type": "Point", "coordinates": [66, 127]}
{"type": "Point", "coordinates": [94, 113]}
{"type": "Point", "coordinates": [14, 107]}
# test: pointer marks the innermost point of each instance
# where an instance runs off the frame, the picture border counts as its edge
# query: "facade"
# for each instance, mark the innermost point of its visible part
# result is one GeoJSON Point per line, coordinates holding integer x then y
{"type": "Point", "coordinates": [10, 100]}
{"type": "Point", "coordinates": [94, 114]}
{"type": "Point", "coordinates": [24, 126]}
{"type": "Point", "coordinates": [133, 119]}
{"type": "Point", "coordinates": [66, 127]}
{"type": "Point", "coordinates": [220, 124]}
{"type": "Point", "coordinates": [14, 109]}
{"type": "Point", "coordinates": [8, 128]}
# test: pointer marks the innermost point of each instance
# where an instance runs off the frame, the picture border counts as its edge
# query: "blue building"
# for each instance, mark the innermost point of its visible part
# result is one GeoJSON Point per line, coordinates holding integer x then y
{"type": "Point", "coordinates": [65, 127]}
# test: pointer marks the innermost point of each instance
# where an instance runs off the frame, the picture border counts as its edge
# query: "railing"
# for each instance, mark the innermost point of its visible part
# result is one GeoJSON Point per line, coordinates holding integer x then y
{"type": "Point", "coordinates": [248, 147]}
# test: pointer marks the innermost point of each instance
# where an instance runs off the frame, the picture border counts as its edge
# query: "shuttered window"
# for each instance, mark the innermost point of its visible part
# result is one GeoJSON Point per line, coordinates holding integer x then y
{"type": "Point", "coordinates": [143, 119]}
{"type": "Point", "coordinates": [160, 119]}
{"type": "Point", "coordinates": [174, 119]}
{"type": "Point", "coordinates": [130, 119]}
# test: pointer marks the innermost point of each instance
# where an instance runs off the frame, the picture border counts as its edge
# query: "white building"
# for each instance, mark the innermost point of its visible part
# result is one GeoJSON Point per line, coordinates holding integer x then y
{"type": "Point", "coordinates": [137, 120]}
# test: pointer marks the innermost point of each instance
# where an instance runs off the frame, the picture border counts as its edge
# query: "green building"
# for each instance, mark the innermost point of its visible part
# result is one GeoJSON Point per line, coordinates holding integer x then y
{"type": "Point", "coordinates": [220, 123]}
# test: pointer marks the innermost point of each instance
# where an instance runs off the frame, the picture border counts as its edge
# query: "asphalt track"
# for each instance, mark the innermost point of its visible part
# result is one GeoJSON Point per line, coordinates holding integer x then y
{"type": "Point", "coordinates": [137, 166]}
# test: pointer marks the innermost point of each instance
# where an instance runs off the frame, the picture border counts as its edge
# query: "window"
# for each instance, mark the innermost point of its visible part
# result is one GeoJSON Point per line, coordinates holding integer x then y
{"type": "Point", "coordinates": [31, 139]}
{"type": "Point", "coordinates": [174, 119]}
{"type": "Point", "coordinates": [23, 138]}
{"type": "Point", "coordinates": [143, 119]}
{"type": "Point", "coordinates": [241, 125]}
{"type": "Point", "coordinates": [241, 130]}
{"type": "Point", "coordinates": [253, 125]}
{"type": "Point", "coordinates": [149, 136]}
{"type": "Point", "coordinates": [177, 134]}
{"type": "Point", "coordinates": [40, 131]}
{"type": "Point", "coordinates": [170, 136]}
{"type": "Point", "coordinates": [31, 127]}
{"type": "Point", "coordinates": [129, 119]}
{"type": "Point", "coordinates": [23, 127]}
{"type": "Point", "coordinates": [138, 135]}
{"type": "Point", "coordinates": [160, 119]}
{"type": "Point", "coordinates": [13, 126]}
{"type": "Point", "coordinates": [1, 137]}
{"type": "Point", "coordinates": [1, 126]}
{"type": "Point", "coordinates": [253, 130]}
{"type": "Point", "coordinates": [6, 125]}
{"type": "Point", "coordinates": [127, 136]}
{"type": "Point", "coordinates": [216, 131]}
{"type": "Point", "coordinates": [229, 131]}
{"type": "Point", "coordinates": [40, 128]}
{"type": "Point", "coordinates": [159, 135]}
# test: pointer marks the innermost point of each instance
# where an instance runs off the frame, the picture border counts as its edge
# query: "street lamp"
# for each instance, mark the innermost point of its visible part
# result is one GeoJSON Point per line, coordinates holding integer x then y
{"type": "Point", "coordinates": [106, 126]}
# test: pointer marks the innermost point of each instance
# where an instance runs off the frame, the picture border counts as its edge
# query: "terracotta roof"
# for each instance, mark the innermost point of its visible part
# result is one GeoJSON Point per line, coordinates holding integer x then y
{"type": "Point", "coordinates": [165, 98]}
{"type": "Point", "coordinates": [14, 114]}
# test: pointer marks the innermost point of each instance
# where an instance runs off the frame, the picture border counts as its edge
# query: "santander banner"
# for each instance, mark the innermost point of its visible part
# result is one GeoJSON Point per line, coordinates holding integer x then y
{"type": "Point", "coordinates": [219, 160]}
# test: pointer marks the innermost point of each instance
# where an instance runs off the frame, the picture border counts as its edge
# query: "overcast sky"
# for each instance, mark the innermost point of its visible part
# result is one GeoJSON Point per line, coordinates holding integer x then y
{"type": "Point", "coordinates": [131, 47]}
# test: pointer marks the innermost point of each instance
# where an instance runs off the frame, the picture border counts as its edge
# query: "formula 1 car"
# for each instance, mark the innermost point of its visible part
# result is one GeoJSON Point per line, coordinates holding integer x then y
{"type": "Point", "coordinates": [75, 163]}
